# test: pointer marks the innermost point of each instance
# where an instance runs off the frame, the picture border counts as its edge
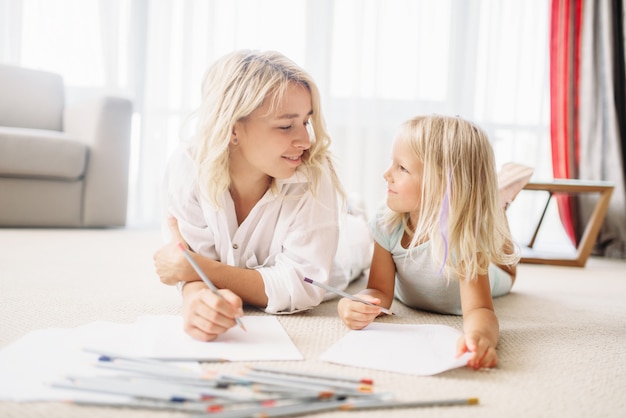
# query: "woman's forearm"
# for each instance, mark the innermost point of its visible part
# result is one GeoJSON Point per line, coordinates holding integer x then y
{"type": "Point", "coordinates": [246, 283]}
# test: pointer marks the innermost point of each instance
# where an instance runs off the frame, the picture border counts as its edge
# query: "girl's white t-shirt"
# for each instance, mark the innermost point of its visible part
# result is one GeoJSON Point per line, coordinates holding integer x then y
{"type": "Point", "coordinates": [419, 282]}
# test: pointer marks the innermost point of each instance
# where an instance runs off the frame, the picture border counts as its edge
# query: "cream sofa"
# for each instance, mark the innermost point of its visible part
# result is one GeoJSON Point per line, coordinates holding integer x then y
{"type": "Point", "coordinates": [61, 165]}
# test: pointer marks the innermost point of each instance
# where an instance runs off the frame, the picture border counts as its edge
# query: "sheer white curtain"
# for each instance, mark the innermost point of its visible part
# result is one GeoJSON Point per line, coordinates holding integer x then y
{"type": "Point", "coordinates": [377, 62]}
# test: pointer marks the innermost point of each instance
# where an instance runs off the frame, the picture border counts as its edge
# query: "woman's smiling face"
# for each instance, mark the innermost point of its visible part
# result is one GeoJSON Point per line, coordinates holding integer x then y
{"type": "Point", "coordinates": [272, 143]}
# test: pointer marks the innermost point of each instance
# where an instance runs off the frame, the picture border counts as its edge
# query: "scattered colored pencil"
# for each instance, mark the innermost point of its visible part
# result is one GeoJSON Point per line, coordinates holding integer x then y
{"type": "Point", "coordinates": [363, 380]}
{"type": "Point", "coordinates": [377, 404]}
{"type": "Point", "coordinates": [263, 392]}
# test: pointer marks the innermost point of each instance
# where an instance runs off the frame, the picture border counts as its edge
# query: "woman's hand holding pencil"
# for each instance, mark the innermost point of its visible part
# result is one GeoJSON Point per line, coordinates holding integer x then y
{"type": "Point", "coordinates": [208, 314]}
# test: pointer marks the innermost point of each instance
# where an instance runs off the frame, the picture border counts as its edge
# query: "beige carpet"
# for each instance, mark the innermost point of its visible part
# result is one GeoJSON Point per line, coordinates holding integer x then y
{"type": "Point", "coordinates": [563, 330]}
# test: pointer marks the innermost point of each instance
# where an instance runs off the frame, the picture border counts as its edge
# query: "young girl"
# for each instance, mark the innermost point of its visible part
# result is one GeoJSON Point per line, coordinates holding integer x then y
{"type": "Point", "coordinates": [442, 244]}
{"type": "Point", "coordinates": [255, 196]}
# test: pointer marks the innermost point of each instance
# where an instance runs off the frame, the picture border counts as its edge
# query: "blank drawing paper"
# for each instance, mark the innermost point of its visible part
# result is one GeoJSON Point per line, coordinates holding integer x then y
{"type": "Point", "coordinates": [162, 337]}
{"type": "Point", "coordinates": [402, 348]}
{"type": "Point", "coordinates": [29, 365]}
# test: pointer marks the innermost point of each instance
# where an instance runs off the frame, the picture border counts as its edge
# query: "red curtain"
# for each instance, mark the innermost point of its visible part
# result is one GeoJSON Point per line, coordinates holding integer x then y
{"type": "Point", "coordinates": [565, 31]}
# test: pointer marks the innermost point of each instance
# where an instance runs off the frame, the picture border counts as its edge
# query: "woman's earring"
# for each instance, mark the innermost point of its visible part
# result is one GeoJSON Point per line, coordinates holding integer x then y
{"type": "Point", "coordinates": [234, 141]}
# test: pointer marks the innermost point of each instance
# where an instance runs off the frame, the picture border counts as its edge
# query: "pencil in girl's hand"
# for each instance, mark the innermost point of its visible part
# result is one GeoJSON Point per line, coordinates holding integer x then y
{"type": "Point", "coordinates": [346, 295]}
{"type": "Point", "coordinates": [206, 280]}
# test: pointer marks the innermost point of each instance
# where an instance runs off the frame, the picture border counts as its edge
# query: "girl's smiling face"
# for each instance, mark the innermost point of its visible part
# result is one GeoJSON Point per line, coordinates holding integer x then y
{"type": "Point", "coordinates": [404, 179]}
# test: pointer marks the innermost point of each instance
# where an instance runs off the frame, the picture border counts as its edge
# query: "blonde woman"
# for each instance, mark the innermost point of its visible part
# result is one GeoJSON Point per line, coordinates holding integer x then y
{"type": "Point", "coordinates": [255, 197]}
{"type": "Point", "coordinates": [442, 243]}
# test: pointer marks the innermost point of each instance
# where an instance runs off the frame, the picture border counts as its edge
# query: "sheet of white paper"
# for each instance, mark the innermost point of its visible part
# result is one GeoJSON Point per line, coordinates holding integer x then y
{"type": "Point", "coordinates": [402, 348]}
{"type": "Point", "coordinates": [30, 364]}
{"type": "Point", "coordinates": [163, 337]}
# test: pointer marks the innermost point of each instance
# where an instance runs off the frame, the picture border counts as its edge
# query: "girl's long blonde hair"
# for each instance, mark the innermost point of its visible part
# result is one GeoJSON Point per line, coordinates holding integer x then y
{"type": "Point", "coordinates": [233, 87]}
{"type": "Point", "coordinates": [460, 213]}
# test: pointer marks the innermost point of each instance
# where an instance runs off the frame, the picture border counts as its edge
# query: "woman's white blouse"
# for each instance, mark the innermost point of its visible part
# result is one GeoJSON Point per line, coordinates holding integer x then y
{"type": "Point", "coordinates": [288, 235]}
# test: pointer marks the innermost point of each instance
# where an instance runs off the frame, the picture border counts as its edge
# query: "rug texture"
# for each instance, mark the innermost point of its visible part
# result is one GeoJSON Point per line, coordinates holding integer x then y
{"type": "Point", "coordinates": [562, 348]}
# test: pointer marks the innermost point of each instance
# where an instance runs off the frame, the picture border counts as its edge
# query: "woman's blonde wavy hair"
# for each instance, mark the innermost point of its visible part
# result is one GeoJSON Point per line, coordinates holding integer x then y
{"type": "Point", "coordinates": [233, 87]}
{"type": "Point", "coordinates": [460, 213]}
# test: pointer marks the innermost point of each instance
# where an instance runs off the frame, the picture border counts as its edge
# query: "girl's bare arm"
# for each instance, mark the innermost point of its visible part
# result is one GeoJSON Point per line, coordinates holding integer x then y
{"type": "Point", "coordinates": [480, 324]}
{"type": "Point", "coordinates": [382, 276]}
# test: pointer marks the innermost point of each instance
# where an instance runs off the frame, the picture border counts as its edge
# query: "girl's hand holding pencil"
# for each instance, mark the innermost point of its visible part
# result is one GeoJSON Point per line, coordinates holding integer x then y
{"type": "Point", "coordinates": [357, 315]}
{"type": "Point", "coordinates": [358, 311]}
{"type": "Point", "coordinates": [347, 295]}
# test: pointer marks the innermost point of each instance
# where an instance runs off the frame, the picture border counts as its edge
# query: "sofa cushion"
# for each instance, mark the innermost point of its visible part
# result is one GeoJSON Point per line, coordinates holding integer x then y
{"type": "Point", "coordinates": [38, 153]}
{"type": "Point", "coordinates": [30, 98]}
